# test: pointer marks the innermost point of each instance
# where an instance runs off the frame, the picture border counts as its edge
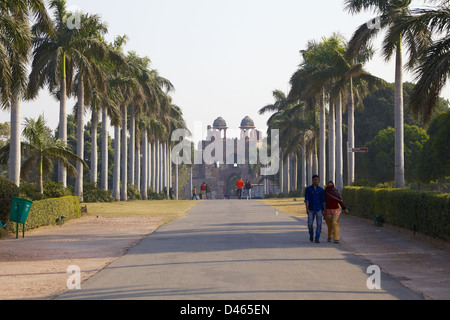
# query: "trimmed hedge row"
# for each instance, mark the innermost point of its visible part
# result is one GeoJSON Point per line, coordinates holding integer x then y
{"type": "Point", "coordinates": [424, 212]}
{"type": "Point", "coordinates": [48, 212]}
{"type": "Point", "coordinates": [8, 190]}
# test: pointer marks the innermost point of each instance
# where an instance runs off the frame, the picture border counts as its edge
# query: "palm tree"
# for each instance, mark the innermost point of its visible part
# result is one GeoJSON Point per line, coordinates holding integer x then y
{"type": "Point", "coordinates": [53, 65]}
{"type": "Point", "coordinates": [280, 105]}
{"type": "Point", "coordinates": [14, 35]}
{"type": "Point", "coordinates": [40, 149]}
{"type": "Point", "coordinates": [106, 102]}
{"type": "Point", "coordinates": [15, 56]}
{"type": "Point", "coordinates": [390, 14]}
{"type": "Point", "coordinates": [306, 87]}
{"type": "Point", "coordinates": [147, 101]}
{"type": "Point", "coordinates": [433, 68]}
{"type": "Point", "coordinates": [90, 76]}
{"type": "Point", "coordinates": [298, 130]}
{"type": "Point", "coordinates": [346, 79]}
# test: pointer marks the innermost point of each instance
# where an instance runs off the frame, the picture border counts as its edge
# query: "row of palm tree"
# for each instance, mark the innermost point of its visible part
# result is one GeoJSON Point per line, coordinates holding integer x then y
{"type": "Point", "coordinates": [79, 62]}
{"type": "Point", "coordinates": [325, 77]}
{"type": "Point", "coordinates": [332, 74]}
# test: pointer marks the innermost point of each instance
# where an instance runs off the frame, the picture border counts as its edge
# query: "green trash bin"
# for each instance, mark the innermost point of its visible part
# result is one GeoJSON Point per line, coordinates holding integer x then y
{"type": "Point", "coordinates": [20, 209]}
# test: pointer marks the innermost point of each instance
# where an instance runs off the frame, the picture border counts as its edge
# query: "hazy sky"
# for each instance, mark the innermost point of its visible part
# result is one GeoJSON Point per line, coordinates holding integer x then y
{"type": "Point", "coordinates": [224, 57]}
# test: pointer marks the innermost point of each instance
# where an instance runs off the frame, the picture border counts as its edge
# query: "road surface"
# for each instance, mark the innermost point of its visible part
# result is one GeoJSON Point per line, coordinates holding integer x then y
{"type": "Point", "coordinates": [237, 250]}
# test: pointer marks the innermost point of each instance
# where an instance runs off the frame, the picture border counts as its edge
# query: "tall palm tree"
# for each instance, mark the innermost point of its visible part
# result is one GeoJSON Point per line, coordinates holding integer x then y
{"type": "Point", "coordinates": [17, 53]}
{"type": "Point", "coordinates": [433, 69]}
{"type": "Point", "coordinates": [346, 79]}
{"type": "Point", "coordinates": [390, 13]}
{"type": "Point", "coordinates": [106, 102]}
{"type": "Point", "coordinates": [90, 76]}
{"type": "Point", "coordinates": [53, 66]}
{"type": "Point", "coordinates": [110, 104]}
{"type": "Point", "coordinates": [305, 87]}
{"type": "Point", "coordinates": [148, 100]}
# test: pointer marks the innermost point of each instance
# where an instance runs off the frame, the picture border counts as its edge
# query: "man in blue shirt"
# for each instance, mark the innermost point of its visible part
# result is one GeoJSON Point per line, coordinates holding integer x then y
{"type": "Point", "coordinates": [315, 206]}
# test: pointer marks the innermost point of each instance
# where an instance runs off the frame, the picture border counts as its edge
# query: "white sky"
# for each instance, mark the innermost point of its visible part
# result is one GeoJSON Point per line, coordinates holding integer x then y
{"type": "Point", "coordinates": [224, 57]}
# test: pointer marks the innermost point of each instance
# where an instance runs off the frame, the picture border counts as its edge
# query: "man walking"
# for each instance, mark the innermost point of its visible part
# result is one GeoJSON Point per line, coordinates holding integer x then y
{"type": "Point", "coordinates": [315, 206]}
{"type": "Point", "coordinates": [239, 185]}
{"type": "Point", "coordinates": [203, 191]}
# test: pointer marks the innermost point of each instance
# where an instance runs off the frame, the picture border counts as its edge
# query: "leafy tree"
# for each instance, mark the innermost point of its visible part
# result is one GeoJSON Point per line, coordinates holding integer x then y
{"type": "Point", "coordinates": [378, 113]}
{"type": "Point", "coordinates": [433, 163]}
{"type": "Point", "coordinates": [390, 14]}
{"type": "Point", "coordinates": [434, 67]}
{"type": "Point", "coordinates": [379, 162]}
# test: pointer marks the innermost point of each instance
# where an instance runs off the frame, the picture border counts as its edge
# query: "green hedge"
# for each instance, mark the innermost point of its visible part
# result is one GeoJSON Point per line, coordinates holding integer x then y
{"type": "Point", "coordinates": [48, 212]}
{"type": "Point", "coordinates": [8, 190]}
{"type": "Point", "coordinates": [425, 212]}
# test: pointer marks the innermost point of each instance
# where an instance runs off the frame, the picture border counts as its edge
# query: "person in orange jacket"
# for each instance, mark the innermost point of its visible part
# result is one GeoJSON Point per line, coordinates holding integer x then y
{"type": "Point", "coordinates": [240, 184]}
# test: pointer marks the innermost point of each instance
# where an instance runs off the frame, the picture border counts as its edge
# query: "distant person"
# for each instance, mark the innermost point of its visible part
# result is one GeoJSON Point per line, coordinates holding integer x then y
{"type": "Point", "coordinates": [248, 189]}
{"type": "Point", "coordinates": [171, 193]}
{"type": "Point", "coordinates": [240, 184]}
{"type": "Point", "coordinates": [203, 191]}
{"type": "Point", "coordinates": [315, 206]}
{"type": "Point", "coordinates": [208, 191]}
{"type": "Point", "coordinates": [333, 213]}
{"type": "Point", "coordinates": [194, 193]}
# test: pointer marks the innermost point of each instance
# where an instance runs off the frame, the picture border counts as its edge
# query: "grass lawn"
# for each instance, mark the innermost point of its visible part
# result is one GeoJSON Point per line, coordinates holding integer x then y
{"type": "Point", "coordinates": [170, 210]}
{"type": "Point", "coordinates": [293, 207]}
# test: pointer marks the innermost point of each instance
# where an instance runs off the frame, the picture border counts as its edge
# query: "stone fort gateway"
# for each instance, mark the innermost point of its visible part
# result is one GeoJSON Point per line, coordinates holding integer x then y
{"type": "Point", "coordinates": [238, 158]}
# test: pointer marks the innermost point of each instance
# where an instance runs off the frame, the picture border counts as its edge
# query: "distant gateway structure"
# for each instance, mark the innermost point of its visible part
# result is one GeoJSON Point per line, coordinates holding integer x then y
{"type": "Point", "coordinates": [222, 177]}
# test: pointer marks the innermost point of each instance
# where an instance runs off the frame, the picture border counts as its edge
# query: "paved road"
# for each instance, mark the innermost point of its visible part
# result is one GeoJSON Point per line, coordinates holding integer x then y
{"type": "Point", "coordinates": [237, 250]}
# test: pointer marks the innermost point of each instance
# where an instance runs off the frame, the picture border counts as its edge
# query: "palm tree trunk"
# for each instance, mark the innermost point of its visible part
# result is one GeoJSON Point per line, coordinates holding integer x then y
{"type": "Point", "coordinates": [41, 175]}
{"type": "Point", "coordinates": [138, 169]}
{"type": "Point", "coordinates": [132, 145]}
{"type": "Point", "coordinates": [62, 171]}
{"type": "Point", "coordinates": [339, 146]}
{"type": "Point", "coordinates": [399, 121]}
{"type": "Point", "coordinates": [315, 158]}
{"type": "Point", "coordinates": [158, 166]}
{"type": "Point", "coordinates": [124, 164]}
{"type": "Point", "coordinates": [94, 147]}
{"type": "Point", "coordinates": [332, 143]}
{"type": "Point", "coordinates": [80, 140]}
{"type": "Point", "coordinates": [288, 179]}
{"type": "Point", "coordinates": [145, 159]}
{"type": "Point", "coordinates": [15, 144]}
{"type": "Point", "coordinates": [323, 140]}
{"type": "Point", "coordinates": [296, 172]}
{"type": "Point", "coordinates": [116, 173]}
{"type": "Point", "coordinates": [304, 167]}
{"type": "Point", "coordinates": [310, 167]}
{"type": "Point", "coordinates": [150, 163]}
{"type": "Point", "coordinates": [351, 136]}
{"type": "Point", "coordinates": [168, 169]}
{"type": "Point", "coordinates": [282, 174]}
{"type": "Point", "coordinates": [153, 166]}
{"type": "Point", "coordinates": [176, 182]}
{"type": "Point", "coordinates": [105, 160]}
